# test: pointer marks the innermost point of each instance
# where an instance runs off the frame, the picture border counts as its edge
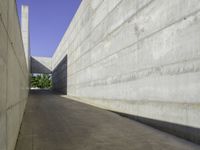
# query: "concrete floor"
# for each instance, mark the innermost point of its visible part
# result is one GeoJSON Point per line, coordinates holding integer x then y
{"type": "Point", "coordinates": [55, 123]}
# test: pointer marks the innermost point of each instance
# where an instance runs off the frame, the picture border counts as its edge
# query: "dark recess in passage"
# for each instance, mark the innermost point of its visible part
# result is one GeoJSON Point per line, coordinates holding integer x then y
{"type": "Point", "coordinates": [59, 77]}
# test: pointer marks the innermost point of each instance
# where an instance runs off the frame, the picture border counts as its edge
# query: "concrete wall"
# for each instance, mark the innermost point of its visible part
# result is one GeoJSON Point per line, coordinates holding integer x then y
{"type": "Point", "coordinates": [59, 77]}
{"type": "Point", "coordinates": [25, 33]}
{"type": "Point", "coordinates": [41, 65]}
{"type": "Point", "coordinates": [13, 75]}
{"type": "Point", "coordinates": [136, 57]}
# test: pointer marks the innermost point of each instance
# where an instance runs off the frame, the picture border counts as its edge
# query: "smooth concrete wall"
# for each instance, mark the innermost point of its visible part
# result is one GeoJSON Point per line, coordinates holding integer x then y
{"type": "Point", "coordinates": [59, 77]}
{"type": "Point", "coordinates": [25, 32]}
{"type": "Point", "coordinates": [136, 57]}
{"type": "Point", "coordinates": [13, 75]}
{"type": "Point", "coordinates": [41, 65]}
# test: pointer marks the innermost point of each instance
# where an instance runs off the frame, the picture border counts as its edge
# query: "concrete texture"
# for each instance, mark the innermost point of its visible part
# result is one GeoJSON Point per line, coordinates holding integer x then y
{"type": "Point", "coordinates": [136, 57]}
{"type": "Point", "coordinates": [41, 65]}
{"type": "Point", "coordinates": [185, 132]}
{"type": "Point", "coordinates": [14, 75]}
{"type": "Point", "coordinates": [25, 33]}
{"type": "Point", "coordinates": [52, 122]}
{"type": "Point", "coordinates": [59, 77]}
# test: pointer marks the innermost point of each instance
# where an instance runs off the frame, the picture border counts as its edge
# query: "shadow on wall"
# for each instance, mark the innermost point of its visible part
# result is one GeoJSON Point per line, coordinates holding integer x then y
{"type": "Point", "coordinates": [59, 77]}
{"type": "Point", "coordinates": [38, 67]}
{"type": "Point", "coordinates": [186, 132]}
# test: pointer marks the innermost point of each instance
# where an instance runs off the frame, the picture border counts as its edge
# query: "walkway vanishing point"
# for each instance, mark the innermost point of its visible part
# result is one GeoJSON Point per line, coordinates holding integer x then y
{"type": "Point", "coordinates": [141, 58]}
{"type": "Point", "coordinates": [52, 122]}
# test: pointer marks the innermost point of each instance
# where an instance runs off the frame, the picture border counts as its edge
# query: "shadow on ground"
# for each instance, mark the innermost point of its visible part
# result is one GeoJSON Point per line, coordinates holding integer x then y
{"type": "Point", "coordinates": [52, 122]}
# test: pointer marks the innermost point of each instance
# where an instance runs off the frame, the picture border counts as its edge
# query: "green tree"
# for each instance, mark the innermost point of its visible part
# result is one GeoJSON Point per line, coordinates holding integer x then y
{"type": "Point", "coordinates": [41, 81]}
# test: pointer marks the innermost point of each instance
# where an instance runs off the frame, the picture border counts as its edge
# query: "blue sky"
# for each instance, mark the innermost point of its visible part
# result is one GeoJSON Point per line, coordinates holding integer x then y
{"type": "Point", "coordinates": [49, 19]}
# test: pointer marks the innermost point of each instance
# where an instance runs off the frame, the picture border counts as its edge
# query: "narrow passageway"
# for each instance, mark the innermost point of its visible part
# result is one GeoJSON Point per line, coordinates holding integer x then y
{"type": "Point", "coordinates": [52, 122]}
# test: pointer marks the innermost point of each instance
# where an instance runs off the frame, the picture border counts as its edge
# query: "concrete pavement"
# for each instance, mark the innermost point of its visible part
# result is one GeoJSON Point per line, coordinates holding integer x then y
{"type": "Point", "coordinates": [52, 122]}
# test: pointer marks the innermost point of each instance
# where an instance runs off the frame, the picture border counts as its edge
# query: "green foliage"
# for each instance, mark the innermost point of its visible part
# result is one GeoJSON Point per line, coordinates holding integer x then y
{"type": "Point", "coordinates": [41, 81]}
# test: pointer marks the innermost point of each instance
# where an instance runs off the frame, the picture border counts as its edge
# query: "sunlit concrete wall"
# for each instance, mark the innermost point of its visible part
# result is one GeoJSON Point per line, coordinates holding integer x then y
{"type": "Point", "coordinates": [25, 32]}
{"type": "Point", "coordinates": [13, 75]}
{"type": "Point", "coordinates": [140, 57]}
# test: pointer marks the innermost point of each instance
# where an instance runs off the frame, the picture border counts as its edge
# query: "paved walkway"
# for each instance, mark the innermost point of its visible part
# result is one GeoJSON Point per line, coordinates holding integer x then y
{"type": "Point", "coordinates": [55, 123]}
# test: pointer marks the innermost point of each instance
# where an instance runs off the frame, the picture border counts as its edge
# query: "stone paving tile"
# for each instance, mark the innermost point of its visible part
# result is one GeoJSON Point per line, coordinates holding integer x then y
{"type": "Point", "coordinates": [52, 122]}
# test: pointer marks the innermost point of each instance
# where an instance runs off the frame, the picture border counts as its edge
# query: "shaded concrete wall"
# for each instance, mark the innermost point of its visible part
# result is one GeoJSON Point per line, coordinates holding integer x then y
{"type": "Point", "coordinates": [41, 65]}
{"type": "Point", "coordinates": [13, 75]}
{"type": "Point", "coordinates": [59, 77]}
{"type": "Point", "coordinates": [136, 57]}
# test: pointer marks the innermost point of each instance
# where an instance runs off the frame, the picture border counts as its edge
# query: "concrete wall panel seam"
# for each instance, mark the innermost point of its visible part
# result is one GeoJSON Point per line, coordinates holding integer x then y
{"type": "Point", "coordinates": [134, 43]}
